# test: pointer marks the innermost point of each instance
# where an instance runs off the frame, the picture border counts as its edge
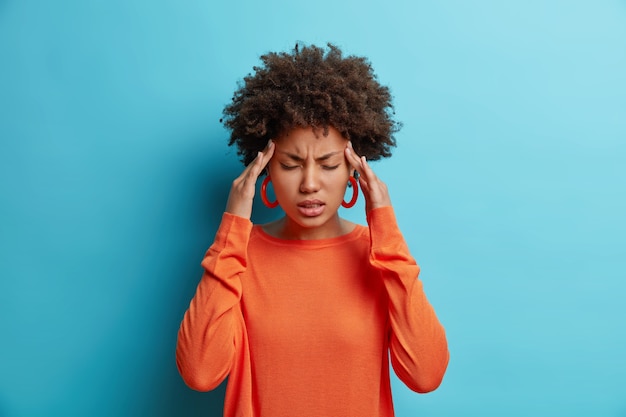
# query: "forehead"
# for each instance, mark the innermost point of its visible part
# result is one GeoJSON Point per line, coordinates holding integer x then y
{"type": "Point", "coordinates": [303, 141]}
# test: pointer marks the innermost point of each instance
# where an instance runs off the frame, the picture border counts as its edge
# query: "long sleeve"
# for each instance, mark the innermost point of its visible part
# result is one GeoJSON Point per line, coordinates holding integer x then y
{"type": "Point", "coordinates": [418, 345]}
{"type": "Point", "coordinates": [212, 330]}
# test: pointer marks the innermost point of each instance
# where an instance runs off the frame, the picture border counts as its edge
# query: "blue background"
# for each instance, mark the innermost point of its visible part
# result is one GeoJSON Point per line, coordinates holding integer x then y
{"type": "Point", "coordinates": [508, 182]}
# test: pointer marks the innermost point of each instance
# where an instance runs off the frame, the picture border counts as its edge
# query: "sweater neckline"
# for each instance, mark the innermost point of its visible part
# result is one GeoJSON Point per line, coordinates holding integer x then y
{"type": "Point", "coordinates": [355, 233]}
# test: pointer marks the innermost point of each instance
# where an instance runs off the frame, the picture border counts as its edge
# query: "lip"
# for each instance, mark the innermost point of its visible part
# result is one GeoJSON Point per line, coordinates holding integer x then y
{"type": "Point", "coordinates": [311, 208]}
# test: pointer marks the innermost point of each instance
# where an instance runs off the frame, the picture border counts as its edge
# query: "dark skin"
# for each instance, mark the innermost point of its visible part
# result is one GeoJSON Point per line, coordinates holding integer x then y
{"type": "Point", "coordinates": [243, 187]}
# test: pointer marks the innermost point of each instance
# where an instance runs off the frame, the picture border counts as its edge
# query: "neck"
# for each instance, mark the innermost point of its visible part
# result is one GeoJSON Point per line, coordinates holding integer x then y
{"type": "Point", "coordinates": [286, 228]}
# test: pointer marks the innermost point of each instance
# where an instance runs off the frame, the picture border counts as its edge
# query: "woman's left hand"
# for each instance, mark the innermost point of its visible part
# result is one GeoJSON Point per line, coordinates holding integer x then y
{"type": "Point", "coordinates": [375, 191]}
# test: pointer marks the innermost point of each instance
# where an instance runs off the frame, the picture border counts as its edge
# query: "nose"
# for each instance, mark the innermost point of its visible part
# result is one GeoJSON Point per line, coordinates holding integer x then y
{"type": "Point", "coordinates": [310, 182]}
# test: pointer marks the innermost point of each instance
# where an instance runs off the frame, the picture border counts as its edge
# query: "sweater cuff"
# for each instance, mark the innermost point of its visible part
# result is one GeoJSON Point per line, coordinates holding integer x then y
{"type": "Point", "coordinates": [383, 227]}
{"type": "Point", "coordinates": [233, 230]}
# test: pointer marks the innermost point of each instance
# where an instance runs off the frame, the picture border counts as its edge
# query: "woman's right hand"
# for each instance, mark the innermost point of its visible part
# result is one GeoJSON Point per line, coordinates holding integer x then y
{"type": "Point", "coordinates": [244, 186]}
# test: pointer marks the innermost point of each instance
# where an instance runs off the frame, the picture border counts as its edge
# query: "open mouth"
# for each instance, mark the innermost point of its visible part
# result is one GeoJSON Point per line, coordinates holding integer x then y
{"type": "Point", "coordinates": [311, 208]}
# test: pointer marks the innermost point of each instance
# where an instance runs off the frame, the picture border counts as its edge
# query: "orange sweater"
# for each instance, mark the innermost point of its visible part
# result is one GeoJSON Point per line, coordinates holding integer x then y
{"type": "Point", "coordinates": [304, 327]}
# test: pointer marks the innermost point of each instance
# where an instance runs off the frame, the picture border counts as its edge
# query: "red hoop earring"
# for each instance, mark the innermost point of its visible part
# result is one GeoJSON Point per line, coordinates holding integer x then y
{"type": "Point", "coordinates": [267, 202]}
{"type": "Point", "coordinates": [355, 194]}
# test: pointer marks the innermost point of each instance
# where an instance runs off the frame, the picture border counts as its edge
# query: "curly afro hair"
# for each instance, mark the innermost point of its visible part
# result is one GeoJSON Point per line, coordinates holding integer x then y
{"type": "Point", "coordinates": [312, 87]}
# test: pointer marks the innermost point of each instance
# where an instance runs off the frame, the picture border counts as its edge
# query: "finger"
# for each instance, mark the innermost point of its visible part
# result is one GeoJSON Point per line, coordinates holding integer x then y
{"type": "Point", "coordinates": [366, 168]}
{"type": "Point", "coordinates": [250, 168]}
{"type": "Point", "coordinates": [353, 158]}
{"type": "Point", "coordinates": [366, 172]}
{"type": "Point", "coordinates": [254, 169]}
{"type": "Point", "coordinates": [268, 152]}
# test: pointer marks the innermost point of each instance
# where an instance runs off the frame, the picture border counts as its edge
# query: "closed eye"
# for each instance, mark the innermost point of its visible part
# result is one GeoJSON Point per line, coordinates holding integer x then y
{"type": "Point", "coordinates": [288, 167]}
{"type": "Point", "coordinates": [330, 167]}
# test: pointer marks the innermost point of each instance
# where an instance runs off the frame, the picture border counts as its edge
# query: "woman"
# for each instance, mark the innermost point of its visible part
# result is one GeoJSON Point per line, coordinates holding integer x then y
{"type": "Point", "coordinates": [303, 313]}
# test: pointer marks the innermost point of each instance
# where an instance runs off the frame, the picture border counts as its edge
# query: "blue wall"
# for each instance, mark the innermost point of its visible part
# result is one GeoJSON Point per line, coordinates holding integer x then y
{"type": "Point", "coordinates": [508, 183]}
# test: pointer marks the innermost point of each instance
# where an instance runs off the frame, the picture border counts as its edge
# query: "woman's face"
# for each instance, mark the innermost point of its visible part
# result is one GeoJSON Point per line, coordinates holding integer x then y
{"type": "Point", "coordinates": [310, 175]}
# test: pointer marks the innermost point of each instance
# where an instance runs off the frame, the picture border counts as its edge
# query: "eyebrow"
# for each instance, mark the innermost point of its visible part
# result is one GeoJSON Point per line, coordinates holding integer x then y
{"type": "Point", "coordinates": [320, 158]}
